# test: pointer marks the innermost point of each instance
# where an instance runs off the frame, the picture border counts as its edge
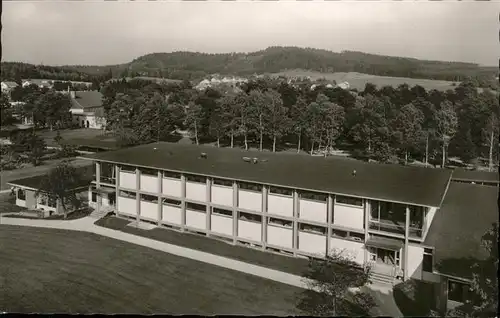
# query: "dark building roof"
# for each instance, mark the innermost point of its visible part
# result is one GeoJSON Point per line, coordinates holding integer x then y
{"type": "Point", "coordinates": [414, 185]}
{"type": "Point", "coordinates": [467, 213]}
{"type": "Point", "coordinates": [474, 176]}
{"type": "Point", "coordinates": [34, 182]}
{"type": "Point", "coordinates": [87, 99]}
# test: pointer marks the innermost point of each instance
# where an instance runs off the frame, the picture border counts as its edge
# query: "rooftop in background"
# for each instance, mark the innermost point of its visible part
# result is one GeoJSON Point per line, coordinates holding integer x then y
{"type": "Point", "coordinates": [467, 212]}
{"type": "Point", "coordinates": [35, 181]}
{"type": "Point", "coordinates": [158, 80]}
{"type": "Point", "coordinates": [476, 176]}
{"type": "Point", "coordinates": [87, 99]}
{"type": "Point", "coordinates": [9, 84]}
{"type": "Point", "coordinates": [413, 185]}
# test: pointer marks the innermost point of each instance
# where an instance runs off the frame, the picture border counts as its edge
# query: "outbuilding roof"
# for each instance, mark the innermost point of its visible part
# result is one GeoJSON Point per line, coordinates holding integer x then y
{"type": "Point", "coordinates": [475, 176]}
{"type": "Point", "coordinates": [412, 185]}
{"type": "Point", "coordinates": [467, 213]}
{"type": "Point", "coordinates": [87, 99]}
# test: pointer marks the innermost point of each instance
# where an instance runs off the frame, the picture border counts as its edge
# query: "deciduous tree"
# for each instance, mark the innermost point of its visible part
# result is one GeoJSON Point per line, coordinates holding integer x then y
{"type": "Point", "coordinates": [446, 124]}
{"type": "Point", "coordinates": [408, 128]}
{"type": "Point", "coordinates": [194, 117]}
{"type": "Point", "coordinates": [276, 118]}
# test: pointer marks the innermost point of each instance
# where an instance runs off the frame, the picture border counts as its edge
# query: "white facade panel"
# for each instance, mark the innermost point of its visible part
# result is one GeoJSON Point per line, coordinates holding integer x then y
{"type": "Point", "coordinates": [149, 210]}
{"type": "Point", "coordinates": [127, 180]}
{"type": "Point", "coordinates": [313, 210]}
{"type": "Point", "coordinates": [354, 250]}
{"type": "Point", "coordinates": [222, 195]}
{"type": "Point", "coordinates": [172, 187]}
{"type": "Point", "coordinates": [312, 243]}
{"type": "Point", "coordinates": [415, 260]}
{"type": "Point", "coordinates": [348, 216]}
{"type": "Point", "coordinates": [149, 183]}
{"type": "Point", "coordinates": [196, 191]}
{"type": "Point", "coordinates": [250, 230]}
{"type": "Point", "coordinates": [127, 206]}
{"type": "Point", "coordinates": [280, 236]}
{"type": "Point", "coordinates": [196, 219]}
{"type": "Point", "coordinates": [428, 218]}
{"type": "Point", "coordinates": [21, 203]}
{"type": "Point", "coordinates": [280, 205]}
{"type": "Point", "coordinates": [250, 200]}
{"type": "Point", "coordinates": [222, 224]}
{"type": "Point", "coordinates": [172, 214]}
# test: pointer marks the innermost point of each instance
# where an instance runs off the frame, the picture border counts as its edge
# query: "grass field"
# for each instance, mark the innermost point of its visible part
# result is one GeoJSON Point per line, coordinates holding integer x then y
{"type": "Point", "coordinates": [284, 263]}
{"type": "Point", "coordinates": [359, 80]}
{"type": "Point", "coordinates": [56, 271]}
{"type": "Point", "coordinates": [77, 134]}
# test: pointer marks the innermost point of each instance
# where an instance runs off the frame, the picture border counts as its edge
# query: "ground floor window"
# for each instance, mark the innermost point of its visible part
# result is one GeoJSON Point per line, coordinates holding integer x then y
{"type": "Point", "coordinates": [427, 262]}
{"type": "Point", "coordinates": [94, 197]}
{"type": "Point", "coordinates": [21, 194]}
{"type": "Point", "coordinates": [457, 291]}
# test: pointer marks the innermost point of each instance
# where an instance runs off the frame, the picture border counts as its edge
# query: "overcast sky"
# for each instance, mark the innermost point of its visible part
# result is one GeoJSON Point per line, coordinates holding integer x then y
{"type": "Point", "coordinates": [98, 32]}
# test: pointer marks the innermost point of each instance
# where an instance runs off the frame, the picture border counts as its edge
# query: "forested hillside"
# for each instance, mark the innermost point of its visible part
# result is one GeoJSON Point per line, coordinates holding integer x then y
{"type": "Point", "coordinates": [192, 65]}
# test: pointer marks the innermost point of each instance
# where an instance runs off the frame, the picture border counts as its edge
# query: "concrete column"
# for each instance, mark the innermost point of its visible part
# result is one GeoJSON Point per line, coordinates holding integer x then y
{"type": "Point", "coordinates": [137, 194]}
{"type": "Point", "coordinates": [407, 232]}
{"type": "Point", "coordinates": [295, 221]}
{"type": "Point", "coordinates": [208, 200]}
{"type": "Point", "coordinates": [235, 211]}
{"type": "Point", "coordinates": [264, 217]}
{"type": "Point", "coordinates": [160, 199]}
{"type": "Point", "coordinates": [368, 205]}
{"type": "Point", "coordinates": [329, 219]}
{"type": "Point", "coordinates": [98, 185]}
{"type": "Point", "coordinates": [117, 187]}
{"type": "Point", "coordinates": [183, 202]}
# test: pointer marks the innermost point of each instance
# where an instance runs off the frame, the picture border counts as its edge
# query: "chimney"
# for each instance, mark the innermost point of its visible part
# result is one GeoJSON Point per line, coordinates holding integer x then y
{"type": "Point", "coordinates": [203, 155]}
{"type": "Point", "coordinates": [354, 173]}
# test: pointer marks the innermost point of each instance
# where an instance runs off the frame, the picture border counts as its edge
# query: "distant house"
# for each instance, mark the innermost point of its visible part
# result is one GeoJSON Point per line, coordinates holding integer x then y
{"type": "Point", "coordinates": [41, 83]}
{"type": "Point", "coordinates": [25, 191]}
{"type": "Point", "coordinates": [87, 109]}
{"type": "Point", "coordinates": [343, 85]}
{"type": "Point", "coordinates": [7, 87]}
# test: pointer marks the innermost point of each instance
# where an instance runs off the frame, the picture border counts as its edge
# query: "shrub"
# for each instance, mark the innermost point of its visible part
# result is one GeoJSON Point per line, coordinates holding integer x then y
{"type": "Point", "coordinates": [414, 297]}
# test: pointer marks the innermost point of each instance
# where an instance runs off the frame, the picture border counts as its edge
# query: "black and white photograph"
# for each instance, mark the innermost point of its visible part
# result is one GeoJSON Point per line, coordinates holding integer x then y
{"type": "Point", "coordinates": [247, 158]}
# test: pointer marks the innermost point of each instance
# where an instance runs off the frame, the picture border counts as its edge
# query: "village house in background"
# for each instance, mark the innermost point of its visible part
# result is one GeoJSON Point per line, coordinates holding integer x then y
{"type": "Point", "coordinates": [8, 86]}
{"type": "Point", "coordinates": [87, 109]}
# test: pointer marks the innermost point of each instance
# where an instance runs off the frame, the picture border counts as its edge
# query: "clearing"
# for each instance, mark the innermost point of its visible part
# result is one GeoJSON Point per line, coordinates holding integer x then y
{"type": "Point", "coordinates": [359, 80]}
{"type": "Point", "coordinates": [47, 270]}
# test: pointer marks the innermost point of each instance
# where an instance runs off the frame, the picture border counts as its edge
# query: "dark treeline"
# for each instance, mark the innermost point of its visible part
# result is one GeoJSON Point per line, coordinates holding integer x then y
{"type": "Point", "coordinates": [385, 124]}
{"type": "Point", "coordinates": [193, 66]}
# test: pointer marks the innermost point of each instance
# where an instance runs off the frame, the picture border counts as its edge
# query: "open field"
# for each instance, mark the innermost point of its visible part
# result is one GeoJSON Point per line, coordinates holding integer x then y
{"type": "Point", "coordinates": [359, 80]}
{"type": "Point", "coordinates": [296, 266]}
{"type": "Point", "coordinates": [9, 175]}
{"type": "Point", "coordinates": [47, 270]}
{"type": "Point", "coordinates": [78, 134]}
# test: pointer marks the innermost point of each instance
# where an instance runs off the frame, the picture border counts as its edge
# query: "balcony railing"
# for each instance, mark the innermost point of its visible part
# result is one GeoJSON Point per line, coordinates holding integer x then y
{"type": "Point", "coordinates": [107, 180]}
{"type": "Point", "coordinates": [387, 227]}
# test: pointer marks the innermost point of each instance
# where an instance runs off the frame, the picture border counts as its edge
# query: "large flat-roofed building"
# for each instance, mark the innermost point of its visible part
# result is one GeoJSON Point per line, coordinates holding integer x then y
{"type": "Point", "coordinates": [299, 204]}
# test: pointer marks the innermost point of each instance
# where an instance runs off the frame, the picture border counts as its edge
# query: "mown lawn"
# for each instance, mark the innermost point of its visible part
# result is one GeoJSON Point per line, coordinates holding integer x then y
{"type": "Point", "coordinates": [57, 271]}
{"type": "Point", "coordinates": [296, 266]}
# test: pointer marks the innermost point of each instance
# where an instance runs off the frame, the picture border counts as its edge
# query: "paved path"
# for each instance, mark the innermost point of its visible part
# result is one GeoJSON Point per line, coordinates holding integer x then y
{"type": "Point", "coordinates": [383, 296]}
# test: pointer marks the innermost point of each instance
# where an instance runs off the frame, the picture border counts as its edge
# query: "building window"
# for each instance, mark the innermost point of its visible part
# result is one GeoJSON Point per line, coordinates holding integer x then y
{"type": "Point", "coordinates": [149, 198]}
{"type": "Point", "coordinates": [348, 200]}
{"type": "Point", "coordinates": [427, 262]}
{"type": "Point", "coordinates": [197, 179]}
{"type": "Point", "coordinates": [312, 229]}
{"type": "Point", "coordinates": [128, 169]}
{"type": "Point", "coordinates": [313, 196]}
{"type": "Point", "coordinates": [171, 175]}
{"type": "Point", "coordinates": [21, 194]}
{"type": "Point", "coordinates": [149, 172]}
{"type": "Point", "coordinates": [127, 194]}
{"type": "Point", "coordinates": [339, 233]}
{"type": "Point", "coordinates": [196, 207]}
{"type": "Point", "coordinates": [250, 217]}
{"type": "Point", "coordinates": [222, 212]}
{"type": "Point", "coordinates": [250, 186]}
{"type": "Point", "coordinates": [457, 291]}
{"type": "Point", "coordinates": [279, 222]}
{"type": "Point", "coordinates": [94, 197]}
{"type": "Point", "coordinates": [171, 202]}
{"type": "Point", "coordinates": [356, 236]}
{"type": "Point", "coordinates": [281, 191]}
{"type": "Point", "coordinates": [220, 182]}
